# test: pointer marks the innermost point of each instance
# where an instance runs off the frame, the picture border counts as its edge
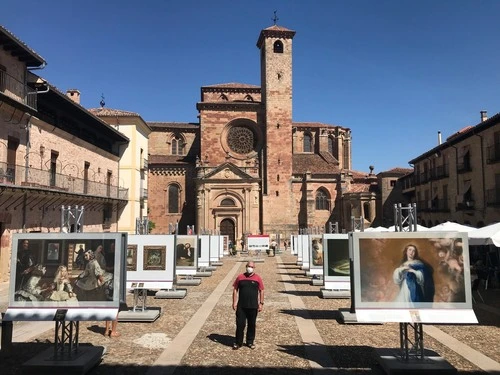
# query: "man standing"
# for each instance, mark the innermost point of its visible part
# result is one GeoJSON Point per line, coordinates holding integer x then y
{"type": "Point", "coordinates": [248, 300]}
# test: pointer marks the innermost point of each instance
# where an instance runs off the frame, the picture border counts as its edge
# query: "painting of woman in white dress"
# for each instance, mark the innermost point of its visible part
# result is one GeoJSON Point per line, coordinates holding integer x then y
{"type": "Point", "coordinates": [414, 278]}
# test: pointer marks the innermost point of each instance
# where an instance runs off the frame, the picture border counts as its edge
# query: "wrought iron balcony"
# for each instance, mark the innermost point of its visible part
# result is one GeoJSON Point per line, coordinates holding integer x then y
{"type": "Point", "coordinates": [493, 197]}
{"type": "Point", "coordinates": [440, 172]}
{"type": "Point", "coordinates": [17, 90]}
{"type": "Point", "coordinates": [464, 166]}
{"type": "Point", "coordinates": [494, 153]}
{"type": "Point", "coordinates": [17, 175]}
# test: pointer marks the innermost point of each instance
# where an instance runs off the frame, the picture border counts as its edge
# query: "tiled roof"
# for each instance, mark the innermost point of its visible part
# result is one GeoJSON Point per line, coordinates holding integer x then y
{"type": "Point", "coordinates": [233, 85]}
{"type": "Point", "coordinates": [19, 48]}
{"type": "Point", "coordinates": [167, 159]}
{"type": "Point", "coordinates": [313, 163]}
{"type": "Point", "coordinates": [172, 125]}
{"type": "Point", "coordinates": [461, 131]}
{"type": "Point", "coordinates": [397, 171]}
{"type": "Point", "coordinates": [112, 112]}
{"type": "Point", "coordinates": [312, 125]}
{"type": "Point", "coordinates": [359, 188]}
{"type": "Point", "coordinates": [277, 28]}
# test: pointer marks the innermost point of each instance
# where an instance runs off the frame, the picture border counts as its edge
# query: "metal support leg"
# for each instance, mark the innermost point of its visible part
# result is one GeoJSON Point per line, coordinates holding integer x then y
{"type": "Point", "coordinates": [66, 340]}
{"type": "Point", "coordinates": [408, 348]}
{"type": "Point", "coordinates": [140, 295]}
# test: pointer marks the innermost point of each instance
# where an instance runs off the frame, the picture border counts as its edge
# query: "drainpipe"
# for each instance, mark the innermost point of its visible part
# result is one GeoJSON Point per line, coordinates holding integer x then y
{"type": "Point", "coordinates": [482, 170]}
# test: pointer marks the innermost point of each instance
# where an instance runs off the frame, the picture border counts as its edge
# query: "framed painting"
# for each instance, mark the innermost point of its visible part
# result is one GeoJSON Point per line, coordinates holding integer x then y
{"type": "Point", "coordinates": [154, 258]}
{"type": "Point", "coordinates": [336, 257]}
{"type": "Point", "coordinates": [53, 252]}
{"type": "Point", "coordinates": [316, 251]}
{"type": "Point", "coordinates": [412, 270]}
{"type": "Point", "coordinates": [131, 257]}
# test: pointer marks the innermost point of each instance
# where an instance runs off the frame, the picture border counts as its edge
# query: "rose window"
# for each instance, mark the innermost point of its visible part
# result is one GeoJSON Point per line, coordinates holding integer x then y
{"type": "Point", "coordinates": [241, 139]}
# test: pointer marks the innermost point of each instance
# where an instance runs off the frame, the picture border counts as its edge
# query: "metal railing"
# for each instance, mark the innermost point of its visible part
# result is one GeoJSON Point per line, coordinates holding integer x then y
{"type": "Point", "coordinates": [493, 196]}
{"type": "Point", "coordinates": [439, 172]}
{"type": "Point", "coordinates": [17, 90]}
{"type": "Point", "coordinates": [46, 179]}
{"type": "Point", "coordinates": [494, 153]}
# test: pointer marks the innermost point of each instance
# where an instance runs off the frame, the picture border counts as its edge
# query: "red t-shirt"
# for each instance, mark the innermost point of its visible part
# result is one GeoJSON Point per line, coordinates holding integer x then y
{"type": "Point", "coordinates": [248, 290]}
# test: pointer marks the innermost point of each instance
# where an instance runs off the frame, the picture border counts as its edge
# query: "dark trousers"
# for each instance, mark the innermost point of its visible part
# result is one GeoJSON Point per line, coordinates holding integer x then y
{"type": "Point", "coordinates": [242, 316]}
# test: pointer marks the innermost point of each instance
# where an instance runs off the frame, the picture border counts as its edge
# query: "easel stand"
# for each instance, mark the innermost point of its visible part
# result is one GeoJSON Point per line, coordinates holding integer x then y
{"type": "Point", "coordinates": [412, 358]}
{"type": "Point", "coordinates": [139, 313]}
{"type": "Point", "coordinates": [67, 356]}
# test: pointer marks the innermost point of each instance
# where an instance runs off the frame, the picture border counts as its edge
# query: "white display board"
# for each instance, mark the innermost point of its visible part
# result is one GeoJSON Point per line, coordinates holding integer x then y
{"type": "Point", "coordinates": [300, 250]}
{"type": "Point", "coordinates": [293, 245]}
{"type": "Point", "coordinates": [306, 251]}
{"type": "Point", "coordinates": [412, 276]}
{"type": "Point", "coordinates": [204, 253]}
{"type": "Point", "coordinates": [150, 261]}
{"type": "Point", "coordinates": [336, 273]}
{"type": "Point", "coordinates": [258, 243]}
{"type": "Point", "coordinates": [214, 248]}
{"type": "Point", "coordinates": [223, 246]}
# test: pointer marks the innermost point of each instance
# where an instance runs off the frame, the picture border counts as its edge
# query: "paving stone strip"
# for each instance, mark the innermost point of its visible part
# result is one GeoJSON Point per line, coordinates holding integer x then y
{"type": "Point", "coordinates": [168, 361]}
{"type": "Point", "coordinates": [314, 346]}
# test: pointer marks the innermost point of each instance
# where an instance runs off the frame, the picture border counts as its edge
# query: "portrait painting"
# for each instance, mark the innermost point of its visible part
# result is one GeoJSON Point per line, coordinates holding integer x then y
{"type": "Point", "coordinates": [412, 270]}
{"type": "Point", "coordinates": [131, 257]}
{"type": "Point", "coordinates": [154, 258]}
{"type": "Point", "coordinates": [337, 256]}
{"type": "Point", "coordinates": [53, 252]}
{"type": "Point", "coordinates": [186, 251]}
{"type": "Point", "coordinates": [316, 251]}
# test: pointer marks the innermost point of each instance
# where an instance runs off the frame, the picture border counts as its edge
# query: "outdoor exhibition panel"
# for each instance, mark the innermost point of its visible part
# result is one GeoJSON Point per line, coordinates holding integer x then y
{"type": "Point", "coordinates": [204, 251]}
{"type": "Point", "coordinates": [214, 248]}
{"type": "Point", "coordinates": [67, 276]}
{"type": "Point", "coordinates": [293, 244]}
{"type": "Point", "coordinates": [150, 261]}
{"type": "Point", "coordinates": [316, 254]}
{"type": "Point", "coordinates": [186, 255]}
{"type": "Point", "coordinates": [306, 243]}
{"type": "Point", "coordinates": [412, 277]}
{"type": "Point", "coordinates": [336, 273]}
{"type": "Point", "coordinates": [300, 251]}
{"type": "Point", "coordinates": [258, 243]}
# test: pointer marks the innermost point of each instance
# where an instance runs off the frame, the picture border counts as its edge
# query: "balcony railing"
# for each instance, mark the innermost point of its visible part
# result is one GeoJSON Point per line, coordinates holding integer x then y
{"type": "Point", "coordinates": [439, 172]}
{"type": "Point", "coordinates": [494, 153]}
{"type": "Point", "coordinates": [45, 179]}
{"type": "Point", "coordinates": [464, 166]}
{"type": "Point", "coordinates": [493, 197]}
{"type": "Point", "coordinates": [17, 90]}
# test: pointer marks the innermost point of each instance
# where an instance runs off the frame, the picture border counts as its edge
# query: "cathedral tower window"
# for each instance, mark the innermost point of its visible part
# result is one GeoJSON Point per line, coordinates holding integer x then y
{"type": "Point", "coordinates": [322, 200]}
{"type": "Point", "coordinates": [278, 46]}
{"type": "Point", "coordinates": [173, 199]}
{"type": "Point", "coordinates": [307, 144]}
{"type": "Point", "coordinates": [177, 144]}
{"type": "Point", "coordinates": [330, 146]}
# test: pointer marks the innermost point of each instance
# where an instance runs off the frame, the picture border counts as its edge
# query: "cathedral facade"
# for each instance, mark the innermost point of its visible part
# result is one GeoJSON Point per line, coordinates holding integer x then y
{"type": "Point", "coordinates": [247, 168]}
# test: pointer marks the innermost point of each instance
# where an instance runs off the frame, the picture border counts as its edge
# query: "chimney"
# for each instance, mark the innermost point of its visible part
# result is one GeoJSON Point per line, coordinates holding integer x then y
{"type": "Point", "coordinates": [484, 116]}
{"type": "Point", "coordinates": [74, 95]}
{"type": "Point", "coordinates": [439, 138]}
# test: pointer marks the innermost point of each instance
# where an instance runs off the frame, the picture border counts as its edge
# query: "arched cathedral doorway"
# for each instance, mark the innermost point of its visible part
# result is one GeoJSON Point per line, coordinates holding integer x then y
{"type": "Point", "coordinates": [227, 229]}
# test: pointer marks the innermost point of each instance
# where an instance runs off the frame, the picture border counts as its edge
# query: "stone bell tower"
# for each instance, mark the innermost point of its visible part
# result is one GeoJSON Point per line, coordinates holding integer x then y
{"type": "Point", "coordinates": [278, 205]}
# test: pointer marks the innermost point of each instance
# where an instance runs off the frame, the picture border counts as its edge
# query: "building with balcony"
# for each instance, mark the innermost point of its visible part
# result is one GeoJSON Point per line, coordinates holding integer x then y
{"type": "Point", "coordinates": [53, 153]}
{"type": "Point", "coordinates": [459, 179]}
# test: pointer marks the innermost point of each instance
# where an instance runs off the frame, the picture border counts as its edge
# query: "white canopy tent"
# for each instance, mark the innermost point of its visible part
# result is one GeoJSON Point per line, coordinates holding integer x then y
{"type": "Point", "coordinates": [451, 227]}
{"type": "Point", "coordinates": [488, 235]}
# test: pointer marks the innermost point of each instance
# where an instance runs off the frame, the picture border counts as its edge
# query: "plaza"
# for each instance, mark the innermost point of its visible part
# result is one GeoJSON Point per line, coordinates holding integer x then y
{"type": "Point", "coordinates": [297, 332]}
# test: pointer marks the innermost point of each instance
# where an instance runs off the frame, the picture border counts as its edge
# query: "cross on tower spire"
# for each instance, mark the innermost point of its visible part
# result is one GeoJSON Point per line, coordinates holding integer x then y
{"type": "Point", "coordinates": [275, 18]}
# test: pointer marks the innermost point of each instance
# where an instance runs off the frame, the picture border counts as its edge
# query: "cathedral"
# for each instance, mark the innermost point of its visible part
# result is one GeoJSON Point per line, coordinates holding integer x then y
{"type": "Point", "coordinates": [247, 168]}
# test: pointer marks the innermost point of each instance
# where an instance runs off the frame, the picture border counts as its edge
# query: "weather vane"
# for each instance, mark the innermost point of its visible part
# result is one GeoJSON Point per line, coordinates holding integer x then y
{"type": "Point", "coordinates": [275, 18]}
{"type": "Point", "coordinates": [102, 102]}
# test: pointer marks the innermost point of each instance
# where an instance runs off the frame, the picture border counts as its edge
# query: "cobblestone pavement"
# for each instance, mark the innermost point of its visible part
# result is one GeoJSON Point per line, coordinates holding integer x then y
{"type": "Point", "coordinates": [298, 332]}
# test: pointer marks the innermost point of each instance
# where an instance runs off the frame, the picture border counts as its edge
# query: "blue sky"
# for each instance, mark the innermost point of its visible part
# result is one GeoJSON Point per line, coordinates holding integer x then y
{"type": "Point", "coordinates": [394, 72]}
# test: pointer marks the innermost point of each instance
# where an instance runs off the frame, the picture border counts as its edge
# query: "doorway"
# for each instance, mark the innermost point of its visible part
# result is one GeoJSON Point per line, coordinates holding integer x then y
{"type": "Point", "coordinates": [227, 229]}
